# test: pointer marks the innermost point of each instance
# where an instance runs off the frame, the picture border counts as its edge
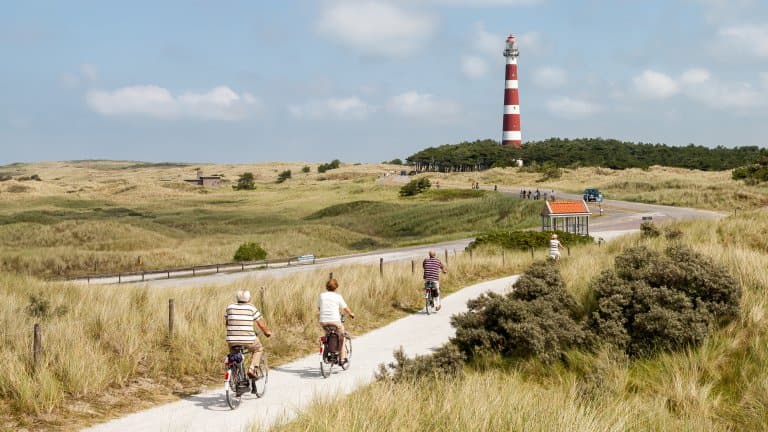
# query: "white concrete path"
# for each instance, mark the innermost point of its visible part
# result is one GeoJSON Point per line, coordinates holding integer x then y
{"type": "Point", "coordinates": [293, 386]}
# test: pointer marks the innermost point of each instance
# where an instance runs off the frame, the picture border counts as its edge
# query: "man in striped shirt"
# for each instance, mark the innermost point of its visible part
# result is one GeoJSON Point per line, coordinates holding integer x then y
{"type": "Point", "coordinates": [240, 317]}
{"type": "Point", "coordinates": [432, 268]}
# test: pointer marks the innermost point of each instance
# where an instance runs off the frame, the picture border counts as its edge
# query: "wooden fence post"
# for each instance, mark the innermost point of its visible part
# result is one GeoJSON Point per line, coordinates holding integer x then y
{"type": "Point", "coordinates": [330, 275]}
{"type": "Point", "coordinates": [381, 266]}
{"type": "Point", "coordinates": [470, 254]}
{"type": "Point", "coordinates": [263, 308]}
{"type": "Point", "coordinates": [170, 318]}
{"type": "Point", "coordinates": [531, 252]}
{"type": "Point", "coordinates": [446, 256]}
{"type": "Point", "coordinates": [37, 348]}
{"type": "Point", "coordinates": [142, 275]}
{"type": "Point", "coordinates": [503, 260]}
{"type": "Point", "coordinates": [568, 248]}
{"type": "Point", "coordinates": [413, 266]}
{"type": "Point", "coordinates": [119, 278]}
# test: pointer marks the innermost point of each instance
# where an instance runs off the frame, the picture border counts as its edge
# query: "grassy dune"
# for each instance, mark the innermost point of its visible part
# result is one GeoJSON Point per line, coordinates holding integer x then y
{"type": "Point", "coordinates": [97, 217]}
{"type": "Point", "coordinates": [657, 185]}
{"type": "Point", "coordinates": [720, 386]}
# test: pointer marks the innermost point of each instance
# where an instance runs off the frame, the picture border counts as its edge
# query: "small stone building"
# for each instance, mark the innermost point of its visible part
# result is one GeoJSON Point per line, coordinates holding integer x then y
{"type": "Point", "coordinates": [205, 181]}
{"type": "Point", "coordinates": [568, 216]}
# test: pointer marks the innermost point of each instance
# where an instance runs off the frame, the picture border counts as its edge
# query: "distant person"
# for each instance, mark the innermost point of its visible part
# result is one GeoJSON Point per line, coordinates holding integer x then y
{"type": "Point", "coordinates": [555, 247]}
{"type": "Point", "coordinates": [545, 196]}
{"type": "Point", "coordinates": [330, 306]}
{"type": "Point", "coordinates": [538, 195]}
{"type": "Point", "coordinates": [239, 320]}
{"type": "Point", "coordinates": [552, 195]}
{"type": "Point", "coordinates": [432, 269]}
{"type": "Point", "coordinates": [529, 194]}
{"type": "Point", "coordinates": [495, 188]}
{"type": "Point", "coordinates": [522, 193]}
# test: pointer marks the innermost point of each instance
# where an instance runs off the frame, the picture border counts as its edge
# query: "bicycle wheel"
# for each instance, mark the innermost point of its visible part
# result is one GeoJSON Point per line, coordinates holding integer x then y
{"type": "Point", "coordinates": [428, 301]}
{"type": "Point", "coordinates": [325, 368]}
{"type": "Point", "coordinates": [260, 384]}
{"type": "Point", "coordinates": [348, 347]}
{"type": "Point", "coordinates": [232, 394]}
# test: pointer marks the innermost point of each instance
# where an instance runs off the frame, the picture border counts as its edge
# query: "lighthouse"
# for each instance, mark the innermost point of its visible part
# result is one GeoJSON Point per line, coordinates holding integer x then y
{"type": "Point", "coordinates": [511, 135]}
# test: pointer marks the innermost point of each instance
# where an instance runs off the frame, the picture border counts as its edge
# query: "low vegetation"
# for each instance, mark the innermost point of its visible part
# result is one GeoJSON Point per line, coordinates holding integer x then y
{"type": "Point", "coordinates": [415, 187]}
{"type": "Point", "coordinates": [245, 182]}
{"type": "Point", "coordinates": [524, 240]}
{"type": "Point", "coordinates": [688, 354]}
{"type": "Point", "coordinates": [334, 164]}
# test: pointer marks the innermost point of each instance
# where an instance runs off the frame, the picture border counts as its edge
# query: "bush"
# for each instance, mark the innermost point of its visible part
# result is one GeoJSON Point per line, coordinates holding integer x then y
{"type": "Point", "coordinates": [415, 186]}
{"type": "Point", "coordinates": [245, 182]}
{"type": "Point", "coordinates": [250, 252]}
{"type": "Point", "coordinates": [653, 302]}
{"type": "Point", "coordinates": [523, 240]}
{"type": "Point", "coordinates": [394, 162]}
{"type": "Point", "coordinates": [446, 362]}
{"type": "Point", "coordinates": [305, 169]}
{"type": "Point", "coordinates": [539, 318]}
{"type": "Point", "coordinates": [649, 230]}
{"type": "Point", "coordinates": [328, 166]}
{"type": "Point", "coordinates": [283, 176]}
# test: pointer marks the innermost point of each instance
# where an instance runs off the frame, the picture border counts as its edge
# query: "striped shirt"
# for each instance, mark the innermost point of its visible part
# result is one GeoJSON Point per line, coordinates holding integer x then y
{"type": "Point", "coordinates": [554, 247]}
{"type": "Point", "coordinates": [432, 267]}
{"type": "Point", "coordinates": [240, 318]}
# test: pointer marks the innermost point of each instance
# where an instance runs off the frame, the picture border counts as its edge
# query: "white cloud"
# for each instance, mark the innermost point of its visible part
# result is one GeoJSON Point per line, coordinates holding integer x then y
{"type": "Point", "coordinates": [220, 103]}
{"type": "Point", "coordinates": [655, 85]}
{"type": "Point", "coordinates": [695, 76]}
{"type": "Point", "coordinates": [474, 67]}
{"type": "Point", "coordinates": [376, 28]}
{"type": "Point", "coordinates": [345, 108]}
{"type": "Point", "coordinates": [752, 39]}
{"type": "Point", "coordinates": [550, 77]}
{"type": "Point", "coordinates": [720, 95]}
{"type": "Point", "coordinates": [414, 104]}
{"type": "Point", "coordinates": [572, 108]}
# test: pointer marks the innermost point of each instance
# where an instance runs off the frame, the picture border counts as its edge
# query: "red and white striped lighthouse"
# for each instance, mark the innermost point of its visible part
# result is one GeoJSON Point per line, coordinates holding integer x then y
{"type": "Point", "coordinates": [511, 132]}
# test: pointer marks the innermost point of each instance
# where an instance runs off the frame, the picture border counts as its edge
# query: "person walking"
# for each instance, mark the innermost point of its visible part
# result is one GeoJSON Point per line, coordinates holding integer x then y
{"type": "Point", "coordinates": [432, 268]}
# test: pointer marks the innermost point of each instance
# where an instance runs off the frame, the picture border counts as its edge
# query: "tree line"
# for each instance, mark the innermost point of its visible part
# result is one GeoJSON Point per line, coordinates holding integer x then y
{"type": "Point", "coordinates": [571, 153]}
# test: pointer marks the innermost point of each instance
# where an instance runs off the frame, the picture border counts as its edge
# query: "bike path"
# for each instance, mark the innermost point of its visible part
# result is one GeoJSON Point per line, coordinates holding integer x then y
{"type": "Point", "coordinates": [293, 386]}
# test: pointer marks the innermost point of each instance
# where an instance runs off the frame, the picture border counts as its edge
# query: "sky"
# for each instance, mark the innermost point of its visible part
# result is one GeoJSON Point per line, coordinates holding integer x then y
{"type": "Point", "coordinates": [370, 80]}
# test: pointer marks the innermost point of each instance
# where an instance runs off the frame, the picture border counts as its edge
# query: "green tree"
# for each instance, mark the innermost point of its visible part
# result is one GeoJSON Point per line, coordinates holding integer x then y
{"type": "Point", "coordinates": [415, 186]}
{"type": "Point", "coordinates": [245, 182]}
{"type": "Point", "coordinates": [305, 169]}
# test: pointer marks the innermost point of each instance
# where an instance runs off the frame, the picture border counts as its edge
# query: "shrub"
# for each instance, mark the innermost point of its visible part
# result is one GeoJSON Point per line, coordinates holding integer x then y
{"type": "Point", "coordinates": [446, 362]}
{"type": "Point", "coordinates": [245, 182]}
{"type": "Point", "coordinates": [549, 171]}
{"type": "Point", "coordinates": [40, 307]}
{"type": "Point", "coordinates": [283, 176]}
{"type": "Point", "coordinates": [328, 166]}
{"type": "Point", "coordinates": [672, 233]}
{"type": "Point", "coordinates": [415, 186]}
{"type": "Point", "coordinates": [653, 302]}
{"type": "Point", "coordinates": [649, 230]}
{"type": "Point", "coordinates": [394, 162]}
{"type": "Point", "coordinates": [539, 318]}
{"type": "Point", "coordinates": [523, 240]}
{"type": "Point", "coordinates": [305, 169]}
{"type": "Point", "coordinates": [250, 252]}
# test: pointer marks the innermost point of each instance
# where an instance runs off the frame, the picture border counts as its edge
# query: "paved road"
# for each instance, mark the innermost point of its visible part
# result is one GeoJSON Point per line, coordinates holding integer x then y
{"type": "Point", "coordinates": [293, 386]}
{"type": "Point", "coordinates": [619, 217]}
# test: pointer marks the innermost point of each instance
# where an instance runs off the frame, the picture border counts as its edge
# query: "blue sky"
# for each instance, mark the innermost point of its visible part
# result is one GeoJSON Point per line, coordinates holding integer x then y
{"type": "Point", "coordinates": [370, 80]}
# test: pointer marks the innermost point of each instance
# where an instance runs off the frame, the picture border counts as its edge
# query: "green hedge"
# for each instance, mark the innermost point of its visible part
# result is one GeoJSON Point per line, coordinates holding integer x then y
{"type": "Point", "coordinates": [525, 239]}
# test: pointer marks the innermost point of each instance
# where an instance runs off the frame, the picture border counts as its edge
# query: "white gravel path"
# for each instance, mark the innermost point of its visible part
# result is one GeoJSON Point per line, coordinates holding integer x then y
{"type": "Point", "coordinates": [293, 386]}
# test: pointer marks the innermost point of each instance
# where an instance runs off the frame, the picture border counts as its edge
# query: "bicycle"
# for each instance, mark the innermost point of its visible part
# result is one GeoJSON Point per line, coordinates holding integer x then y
{"type": "Point", "coordinates": [330, 354]}
{"type": "Point", "coordinates": [430, 290]}
{"type": "Point", "coordinates": [237, 383]}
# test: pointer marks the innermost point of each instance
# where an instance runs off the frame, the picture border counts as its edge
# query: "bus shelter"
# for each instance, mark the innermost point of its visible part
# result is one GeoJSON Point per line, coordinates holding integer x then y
{"type": "Point", "coordinates": [567, 216]}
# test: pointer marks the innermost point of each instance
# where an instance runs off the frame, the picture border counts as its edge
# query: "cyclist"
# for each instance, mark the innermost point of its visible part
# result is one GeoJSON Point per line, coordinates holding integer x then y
{"type": "Point", "coordinates": [555, 247]}
{"type": "Point", "coordinates": [239, 320]}
{"type": "Point", "coordinates": [432, 268]}
{"type": "Point", "coordinates": [329, 305]}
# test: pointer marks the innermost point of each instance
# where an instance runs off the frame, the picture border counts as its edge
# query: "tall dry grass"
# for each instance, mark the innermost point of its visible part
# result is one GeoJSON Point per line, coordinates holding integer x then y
{"type": "Point", "coordinates": [719, 386]}
{"type": "Point", "coordinates": [104, 342]}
